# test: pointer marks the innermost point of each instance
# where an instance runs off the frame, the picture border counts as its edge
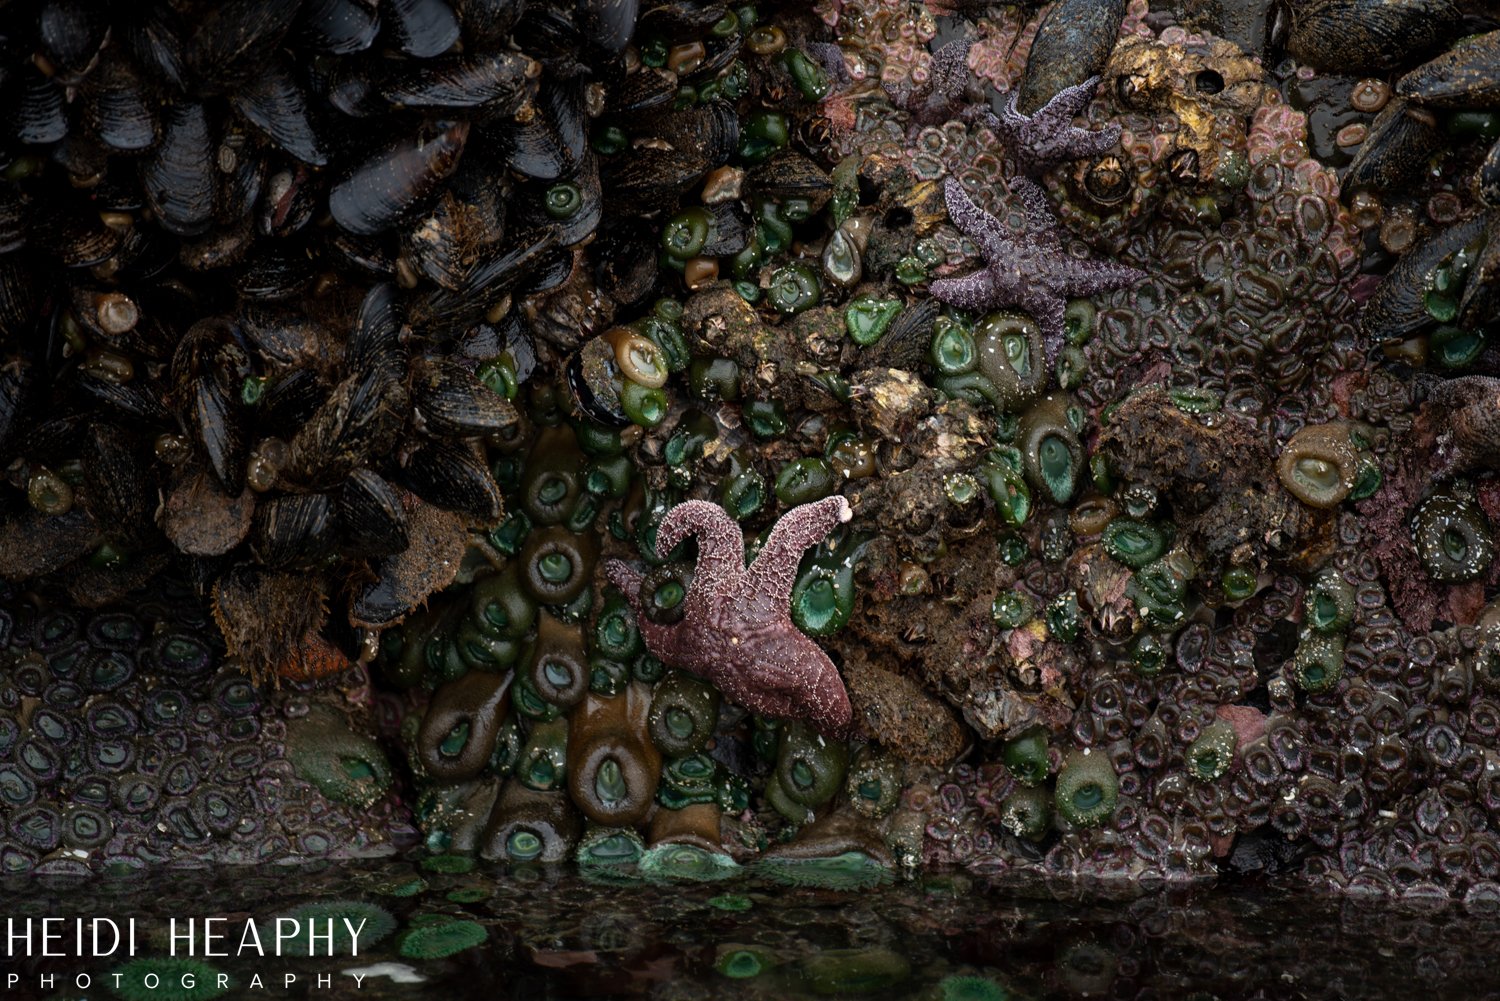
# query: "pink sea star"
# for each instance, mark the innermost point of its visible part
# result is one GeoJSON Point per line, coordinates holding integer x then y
{"type": "Point", "coordinates": [1031, 269]}
{"type": "Point", "coordinates": [736, 629]}
{"type": "Point", "coordinates": [1049, 136]}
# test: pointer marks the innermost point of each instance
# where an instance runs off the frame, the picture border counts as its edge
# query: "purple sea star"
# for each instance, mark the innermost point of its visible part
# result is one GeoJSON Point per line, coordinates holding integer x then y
{"type": "Point", "coordinates": [736, 629]}
{"type": "Point", "coordinates": [941, 96]}
{"type": "Point", "coordinates": [1031, 270]}
{"type": "Point", "coordinates": [1049, 136]}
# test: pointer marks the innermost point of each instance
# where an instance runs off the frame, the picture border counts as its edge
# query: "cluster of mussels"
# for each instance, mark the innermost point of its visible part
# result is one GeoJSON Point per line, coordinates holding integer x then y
{"type": "Point", "coordinates": [599, 404]}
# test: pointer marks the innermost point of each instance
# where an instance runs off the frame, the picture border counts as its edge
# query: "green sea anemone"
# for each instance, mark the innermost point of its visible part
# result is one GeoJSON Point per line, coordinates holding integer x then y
{"type": "Point", "coordinates": [441, 939]}
{"type": "Point", "coordinates": [174, 980]}
{"type": "Point", "coordinates": [1212, 753]}
{"type": "Point", "coordinates": [374, 922]}
{"type": "Point", "coordinates": [741, 962]}
{"type": "Point", "coordinates": [958, 988]}
{"type": "Point", "coordinates": [1318, 662]}
{"type": "Point", "coordinates": [1329, 604]}
{"type": "Point", "coordinates": [730, 902]}
{"type": "Point", "coordinates": [1087, 789]}
{"type": "Point", "coordinates": [849, 871]}
{"type": "Point", "coordinates": [672, 862]}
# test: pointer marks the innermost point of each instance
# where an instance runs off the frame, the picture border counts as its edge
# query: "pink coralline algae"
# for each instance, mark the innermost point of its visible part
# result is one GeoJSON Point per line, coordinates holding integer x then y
{"type": "Point", "coordinates": [736, 629]}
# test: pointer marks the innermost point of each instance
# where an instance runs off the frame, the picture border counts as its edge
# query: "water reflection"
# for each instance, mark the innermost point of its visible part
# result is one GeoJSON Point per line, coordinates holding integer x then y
{"type": "Point", "coordinates": [445, 927]}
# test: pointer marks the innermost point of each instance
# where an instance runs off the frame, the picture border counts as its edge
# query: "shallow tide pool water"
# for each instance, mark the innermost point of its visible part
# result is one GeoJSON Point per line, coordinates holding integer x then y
{"type": "Point", "coordinates": [447, 927]}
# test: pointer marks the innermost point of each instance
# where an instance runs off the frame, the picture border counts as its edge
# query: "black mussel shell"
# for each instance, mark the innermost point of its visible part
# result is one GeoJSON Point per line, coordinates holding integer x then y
{"type": "Point", "coordinates": [487, 24]}
{"type": "Point", "coordinates": [550, 143]}
{"type": "Point", "coordinates": [452, 401]}
{"type": "Point", "coordinates": [1489, 178]}
{"type": "Point", "coordinates": [730, 232]}
{"type": "Point", "coordinates": [553, 267]}
{"type": "Point", "coordinates": [119, 108]}
{"type": "Point", "coordinates": [552, 36]}
{"type": "Point", "coordinates": [905, 344]}
{"type": "Point", "coordinates": [572, 229]}
{"type": "Point", "coordinates": [423, 28]}
{"type": "Point", "coordinates": [19, 379]}
{"type": "Point", "coordinates": [349, 86]}
{"type": "Point", "coordinates": [274, 271]}
{"type": "Point", "coordinates": [292, 529]}
{"type": "Point", "coordinates": [71, 33]}
{"type": "Point", "coordinates": [679, 20]}
{"type": "Point", "coordinates": [594, 380]}
{"type": "Point", "coordinates": [274, 102]}
{"type": "Point", "coordinates": [232, 39]}
{"type": "Point", "coordinates": [651, 179]}
{"type": "Point", "coordinates": [340, 27]}
{"type": "Point", "coordinates": [375, 342]}
{"type": "Point", "coordinates": [449, 476]}
{"type": "Point", "coordinates": [290, 198]}
{"type": "Point", "coordinates": [1466, 76]}
{"type": "Point", "coordinates": [792, 175]}
{"type": "Point", "coordinates": [1369, 36]}
{"type": "Point", "coordinates": [85, 159]}
{"type": "Point", "coordinates": [1397, 150]}
{"type": "Point", "coordinates": [608, 24]}
{"type": "Point", "coordinates": [285, 337]}
{"type": "Point", "coordinates": [364, 257]}
{"type": "Point", "coordinates": [510, 264]}
{"type": "Point", "coordinates": [288, 401]}
{"type": "Point", "coordinates": [464, 224]}
{"type": "Point", "coordinates": [644, 89]}
{"type": "Point", "coordinates": [1398, 305]}
{"type": "Point", "coordinates": [372, 521]}
{"type": "Point", "coordinates": [214, 421]}
{"type": "Point", "coordinates": [712, 130]}
{"type": "Point", "coordinates": [718, 54]}
{"type": "Point", "coordinates": [20, 304]}
{"type": "Point", "coordinates": [208, 369]}
{"type": "Point", "coordinates": [242, 175]}
{"type": "Point", "coordinates": [35, 105]}
{"type": "Point", "coordinates": [178, 176]}
{"type": "Point", "coordinates": [1072, 44]}
{"type": "Point", "coordinates": [132, 401]}
{"type": "Point", "coordinates": [15, 210]}
{"type": "Point", "coordinates": [497, 83]}
{"type": "Point", "coordinates": [625, 266]}
{"type": "Point", "coordinates": [119, 490]}
{"type": "Point", "coordinates": [1481, 295]}
{"type": "Point", "coordinates": [154, 37]}
{"type": "Point", "coordinates": [396, 181]}
{"type": "Point", "coordinates": [359, 423]}
{"type": "Point", "coordinates": [75, 237]}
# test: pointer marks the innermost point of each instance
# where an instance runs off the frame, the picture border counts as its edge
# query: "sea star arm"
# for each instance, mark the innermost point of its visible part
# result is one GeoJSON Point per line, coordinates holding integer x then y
{"type": "Point", "coordinates": [1091, 276]}
{"type": "Point", "coordinates": [774, 571]}
{"type": "Point", "coordinates": [976, 291]}
{"type": "Point", "coordinates": [721, 545]}
{"type": "Point", "coordinates": [1033, 199]}
{"type": "Point", "coordinates": [831, 58]}
{"type": "Point", "coordinates": [987, 232]}
{"type": "Point", "coordinates": [1050, 312]}
{"type": "Point", "coordinates": [625, 577]}
{"type": "Point", "coordinates": [949, 73]}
